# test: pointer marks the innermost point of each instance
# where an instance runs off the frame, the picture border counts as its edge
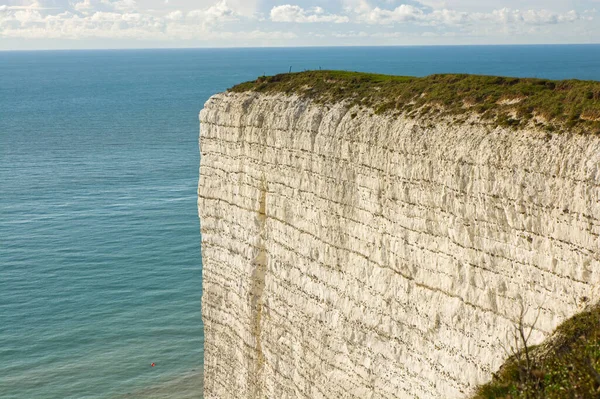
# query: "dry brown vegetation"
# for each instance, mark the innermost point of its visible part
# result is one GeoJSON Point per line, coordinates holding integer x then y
{"type": "Point", "coordinates": [511, 102]}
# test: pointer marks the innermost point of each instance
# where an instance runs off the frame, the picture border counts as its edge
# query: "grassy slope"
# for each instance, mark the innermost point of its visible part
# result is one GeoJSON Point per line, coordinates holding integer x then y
{"type": "Point", "coordinates": [566, 366]}
{"type": "Point", "coordinates": [571, 104]}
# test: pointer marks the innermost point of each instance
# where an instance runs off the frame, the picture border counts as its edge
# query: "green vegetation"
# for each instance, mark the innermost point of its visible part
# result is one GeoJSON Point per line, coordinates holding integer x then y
{"type": "Point", "coordinates": [566, 366]}
{"type": "Point", "coordinates": [510, 102]}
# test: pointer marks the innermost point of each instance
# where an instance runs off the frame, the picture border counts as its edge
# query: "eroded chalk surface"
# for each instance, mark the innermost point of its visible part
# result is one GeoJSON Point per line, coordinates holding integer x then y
{"type": "Point", "coordinates": [352, 255]}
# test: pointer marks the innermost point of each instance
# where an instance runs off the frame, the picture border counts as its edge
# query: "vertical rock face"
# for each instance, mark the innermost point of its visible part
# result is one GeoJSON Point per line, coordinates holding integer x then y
{"type": "Point", "coordinates": [351, 255]}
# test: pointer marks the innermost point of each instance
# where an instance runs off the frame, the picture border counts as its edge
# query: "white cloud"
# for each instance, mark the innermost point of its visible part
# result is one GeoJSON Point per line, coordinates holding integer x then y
{"type": "Point", "coordinates": [84, 6]}
{"type": "Point", "coordinates": [257, 34]}
{"type": "Point", "coordinates": [35, 5]}
{"type": "Point", "coordinates": [356, 6]}
{"type": "Point", "coordinates": [240, 22]}
{"type": "Point", "coordinates": [220, 12]}
{"type": "Point", "coordinates": [533, 17]}
{"type": "Point", "coordinates": [120, 5]}
{"type": "Point", "coordinates": [175, 16]}
{"type": "Point", "coordinates": [105, 19]}
{"type": "Point", "coordinates": [451, 17]}
{"type": "Point", "coordinates": [290, 13]}
{"type": "Point", "coordinates": [346, 35]}
{"type": "Point", "coordinates": [411, 14]}
{"type": "Point", "coordinates": [402, 13]}
{"type": "Point", "coordinates": [214, 15]}
{"type": "Point", "coordinates": [88, 6]}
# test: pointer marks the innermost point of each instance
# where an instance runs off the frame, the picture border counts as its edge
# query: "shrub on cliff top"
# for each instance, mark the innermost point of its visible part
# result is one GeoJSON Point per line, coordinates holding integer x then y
{"type": "Point", "coordinates": [567, 365]}
{"type": "Point", "coordinates": [504, 101]}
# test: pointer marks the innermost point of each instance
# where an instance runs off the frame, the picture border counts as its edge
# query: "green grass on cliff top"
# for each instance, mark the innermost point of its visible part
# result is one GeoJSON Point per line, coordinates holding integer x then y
{"type": "Point", "coordinates": [510, 102]}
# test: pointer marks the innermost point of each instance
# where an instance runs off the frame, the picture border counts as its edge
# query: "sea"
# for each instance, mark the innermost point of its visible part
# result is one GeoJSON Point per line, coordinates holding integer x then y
{"type": "Point", "coordinates": [100, 258]}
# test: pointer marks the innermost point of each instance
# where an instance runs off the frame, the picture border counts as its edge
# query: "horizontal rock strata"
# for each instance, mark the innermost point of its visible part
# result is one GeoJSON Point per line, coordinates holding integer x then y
{"type": "Point", "coordinates": [353, 255]}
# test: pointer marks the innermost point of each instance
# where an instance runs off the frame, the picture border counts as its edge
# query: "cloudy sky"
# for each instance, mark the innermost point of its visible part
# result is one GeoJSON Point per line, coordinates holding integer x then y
{"type": "Point", "coordinates": [45, 24]}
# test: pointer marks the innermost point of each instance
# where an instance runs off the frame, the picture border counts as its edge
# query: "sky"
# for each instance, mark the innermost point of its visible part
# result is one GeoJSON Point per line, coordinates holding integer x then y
{"type": "Point", "coordinates": [78, 24]}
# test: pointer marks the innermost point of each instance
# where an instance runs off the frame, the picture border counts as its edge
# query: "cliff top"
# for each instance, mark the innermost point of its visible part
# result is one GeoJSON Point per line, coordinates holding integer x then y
{"type": "Point", "coordinates": [503, 101]}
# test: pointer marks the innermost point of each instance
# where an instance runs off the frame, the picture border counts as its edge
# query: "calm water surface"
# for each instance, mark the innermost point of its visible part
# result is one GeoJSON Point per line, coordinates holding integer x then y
{"type": "Point", "coordinates": [100, 270]}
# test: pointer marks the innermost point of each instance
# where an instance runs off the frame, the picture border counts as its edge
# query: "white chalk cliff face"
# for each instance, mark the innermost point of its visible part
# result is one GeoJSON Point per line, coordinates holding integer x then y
{"type": "Point", "coordinates": [352, 255]}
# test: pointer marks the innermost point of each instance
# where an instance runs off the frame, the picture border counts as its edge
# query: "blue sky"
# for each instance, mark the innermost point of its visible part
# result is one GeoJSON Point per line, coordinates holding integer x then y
{"type": "Point", "coordinates": [52, 24]}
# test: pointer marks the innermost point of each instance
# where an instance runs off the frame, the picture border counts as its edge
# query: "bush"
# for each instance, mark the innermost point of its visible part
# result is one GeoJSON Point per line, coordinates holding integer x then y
{"type": "Point", "coordinates": [567, 365]}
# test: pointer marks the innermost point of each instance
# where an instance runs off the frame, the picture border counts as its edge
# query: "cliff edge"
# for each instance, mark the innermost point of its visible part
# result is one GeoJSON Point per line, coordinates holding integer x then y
{"type": "Point", "coordinates": [366, 236]}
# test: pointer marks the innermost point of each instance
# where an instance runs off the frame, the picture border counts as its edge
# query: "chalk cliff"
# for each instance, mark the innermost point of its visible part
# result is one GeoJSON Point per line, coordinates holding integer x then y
{"type": "Point", "coordinates": [350, 254]}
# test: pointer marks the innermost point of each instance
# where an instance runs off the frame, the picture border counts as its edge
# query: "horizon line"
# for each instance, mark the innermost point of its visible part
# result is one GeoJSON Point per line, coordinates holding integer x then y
{"type": "Point", "coordinates": [292, 47]}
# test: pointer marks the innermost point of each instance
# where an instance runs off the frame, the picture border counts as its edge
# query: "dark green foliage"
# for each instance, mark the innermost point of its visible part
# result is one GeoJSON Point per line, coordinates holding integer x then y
{"type": "Point", "coordinates": [567, 366]}
{"type": "Point", "coordinates": [509, 102]}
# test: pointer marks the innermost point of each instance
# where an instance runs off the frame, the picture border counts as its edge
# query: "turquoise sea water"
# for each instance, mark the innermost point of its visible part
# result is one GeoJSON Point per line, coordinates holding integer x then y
{"type": "Point", "coordinates": [100, 271]}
